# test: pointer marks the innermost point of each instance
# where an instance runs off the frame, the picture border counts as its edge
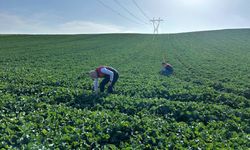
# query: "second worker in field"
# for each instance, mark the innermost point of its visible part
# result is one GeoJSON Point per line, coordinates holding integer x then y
{"type": "Point", "coordinates": [110, 76]}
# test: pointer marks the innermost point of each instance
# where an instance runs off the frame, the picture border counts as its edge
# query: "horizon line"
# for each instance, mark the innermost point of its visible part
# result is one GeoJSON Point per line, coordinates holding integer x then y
{"type": "Point", "coordinates": [103, 33]}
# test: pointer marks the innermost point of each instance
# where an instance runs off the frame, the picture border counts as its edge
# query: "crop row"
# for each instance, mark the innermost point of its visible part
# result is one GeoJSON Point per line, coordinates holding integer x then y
{"type": "Point", "coordinates": [119, 122]}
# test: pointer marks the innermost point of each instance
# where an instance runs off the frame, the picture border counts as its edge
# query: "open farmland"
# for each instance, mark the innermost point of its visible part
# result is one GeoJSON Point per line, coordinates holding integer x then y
{"type": "Point", "coordinates": [205, 104]}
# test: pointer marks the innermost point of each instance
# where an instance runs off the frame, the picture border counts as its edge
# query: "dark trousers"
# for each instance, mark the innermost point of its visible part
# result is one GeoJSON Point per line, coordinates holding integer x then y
{"type": "Point", "coordinates": [106, 80]}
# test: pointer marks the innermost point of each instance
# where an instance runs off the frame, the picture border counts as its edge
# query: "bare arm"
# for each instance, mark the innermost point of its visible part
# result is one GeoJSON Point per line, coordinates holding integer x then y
{"type": "Point", "coordinates": [96, 85]}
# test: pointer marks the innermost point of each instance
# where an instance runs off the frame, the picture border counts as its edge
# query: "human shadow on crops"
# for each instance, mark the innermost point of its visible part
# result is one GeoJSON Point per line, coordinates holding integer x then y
{"type": "Point", "coordinates": [87, 100]}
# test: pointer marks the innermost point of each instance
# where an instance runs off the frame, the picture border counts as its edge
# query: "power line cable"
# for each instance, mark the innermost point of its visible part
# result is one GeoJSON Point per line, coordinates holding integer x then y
{"type": "Point", "coordinates": [129, 12]}
{"type": "Point", "coordinates": [113, 10]}
{"type": "Point", "coordinates": [143, 13]}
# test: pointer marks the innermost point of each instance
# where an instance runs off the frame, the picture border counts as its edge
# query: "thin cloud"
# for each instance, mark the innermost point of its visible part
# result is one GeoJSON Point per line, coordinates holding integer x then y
{"type": "Point", "coordinates": [13, 24]}
{"type": "Point", "coordinates": [75, 27]}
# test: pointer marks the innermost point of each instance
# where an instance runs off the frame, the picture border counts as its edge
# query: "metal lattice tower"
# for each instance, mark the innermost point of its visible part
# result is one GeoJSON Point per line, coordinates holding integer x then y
{"type": "Point", "coordinates": [156, 24]}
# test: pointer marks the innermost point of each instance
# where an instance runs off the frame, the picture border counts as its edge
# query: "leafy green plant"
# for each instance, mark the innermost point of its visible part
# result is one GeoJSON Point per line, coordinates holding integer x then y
{"type": "Point", "coordinates": [46, 104]}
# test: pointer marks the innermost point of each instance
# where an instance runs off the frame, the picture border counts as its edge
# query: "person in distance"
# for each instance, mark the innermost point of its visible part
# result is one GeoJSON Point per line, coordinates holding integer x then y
{"type": "Point", "coordinates": [110, 76]}
{"type": "Point", "coordinates": [167, 69]}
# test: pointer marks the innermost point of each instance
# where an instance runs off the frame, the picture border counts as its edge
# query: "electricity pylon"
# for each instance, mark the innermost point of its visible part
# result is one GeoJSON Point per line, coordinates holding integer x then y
{"type": "Point", "coordinates": [156, 24]}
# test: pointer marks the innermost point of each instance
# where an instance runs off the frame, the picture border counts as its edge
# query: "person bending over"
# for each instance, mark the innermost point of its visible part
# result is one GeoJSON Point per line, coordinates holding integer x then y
{"type": "Point", "coordinates": [109, 75]}
{"type": "Point", "coordinates": [167, 69]}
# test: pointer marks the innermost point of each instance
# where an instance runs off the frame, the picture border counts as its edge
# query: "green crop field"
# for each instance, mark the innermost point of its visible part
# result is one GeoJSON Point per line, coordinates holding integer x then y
{"type": "Point", "coordinates": [204, 105]}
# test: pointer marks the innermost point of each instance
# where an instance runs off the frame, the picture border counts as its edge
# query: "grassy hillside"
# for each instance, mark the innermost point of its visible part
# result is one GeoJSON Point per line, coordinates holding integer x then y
{"type": "Point", "coordinates": [205, 104]}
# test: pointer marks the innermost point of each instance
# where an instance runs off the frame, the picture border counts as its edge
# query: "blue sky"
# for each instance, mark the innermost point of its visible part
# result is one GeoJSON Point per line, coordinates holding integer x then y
{"type": "Point", "coordinates": [91, 16]}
